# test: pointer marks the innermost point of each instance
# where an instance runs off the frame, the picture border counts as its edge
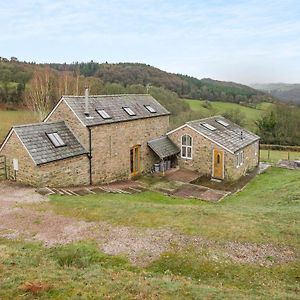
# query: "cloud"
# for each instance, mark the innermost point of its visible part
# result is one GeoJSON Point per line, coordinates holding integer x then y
{"type": "Point", "coordinates": [196, 37]}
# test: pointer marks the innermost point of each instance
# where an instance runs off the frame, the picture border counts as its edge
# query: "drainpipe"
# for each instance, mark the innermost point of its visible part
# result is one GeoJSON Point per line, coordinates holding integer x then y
{"type": "Point", "coordinates": [90, 154]}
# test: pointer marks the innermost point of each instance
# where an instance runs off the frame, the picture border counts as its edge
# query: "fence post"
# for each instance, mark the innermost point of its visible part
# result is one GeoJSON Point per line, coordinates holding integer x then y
{"type": "Point", "coordinates": [268, 153]}
{"type": "Point", "coordinates": [288, 155]}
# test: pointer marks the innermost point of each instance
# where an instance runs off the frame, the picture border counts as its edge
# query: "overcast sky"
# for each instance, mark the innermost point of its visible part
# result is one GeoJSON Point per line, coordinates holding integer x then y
{"type": "Point", "coordinates": [243, 41]}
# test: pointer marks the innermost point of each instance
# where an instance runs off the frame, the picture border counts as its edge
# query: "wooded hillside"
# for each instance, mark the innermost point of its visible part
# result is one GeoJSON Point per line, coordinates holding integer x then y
{"type": "Point", "coordinates": [116, 78]}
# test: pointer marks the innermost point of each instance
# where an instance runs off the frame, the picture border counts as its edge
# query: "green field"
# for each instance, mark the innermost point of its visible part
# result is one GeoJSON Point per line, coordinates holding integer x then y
{"type": "Point", "coordinates": [274, 156]}
{"type": "Point", "coordinates": [265, 215]}
{"type": "Point", "coordinates": [11, 118]}
{"type": "Point", "coordinates": [252, 114]}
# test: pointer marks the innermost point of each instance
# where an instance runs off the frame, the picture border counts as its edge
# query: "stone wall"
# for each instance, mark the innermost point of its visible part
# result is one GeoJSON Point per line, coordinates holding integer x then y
{"type": "Point", "coordinates": [251, 160]}
{"type": "Point", "coordinates": [64, 113]}
{"type": "Point", "coordinates": [111, 144]}
{"type": "Point", "coordinates": [201, 151]}
{"type": "Point", "coordinates": [202, 155]}
{"type": "Point", "coordinates": [66, 172]}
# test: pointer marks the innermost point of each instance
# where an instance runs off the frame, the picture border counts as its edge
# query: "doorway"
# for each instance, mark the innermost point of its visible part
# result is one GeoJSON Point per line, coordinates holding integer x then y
{"type": "Point", "coordinates": [135, 160]}
{"type": "Point", "coordinates": [218, 164]}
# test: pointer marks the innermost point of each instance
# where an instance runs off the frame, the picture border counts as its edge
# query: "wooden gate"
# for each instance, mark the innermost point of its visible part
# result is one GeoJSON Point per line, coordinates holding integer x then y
{"type": "Point", "coordinates": [3, 174]}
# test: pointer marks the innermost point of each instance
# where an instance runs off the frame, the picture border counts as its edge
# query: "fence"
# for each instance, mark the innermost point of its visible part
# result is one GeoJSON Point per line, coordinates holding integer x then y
{"type": "Point", "coordinates": [274, 153]}
{"type": "Point", "coordinates": [3, 174]}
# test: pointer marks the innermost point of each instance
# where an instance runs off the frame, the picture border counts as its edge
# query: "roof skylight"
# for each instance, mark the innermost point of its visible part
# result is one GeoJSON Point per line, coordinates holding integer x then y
{"type": "Point", "coordinates": [225, 124]}
{"type": "Point", "coordinates": [150, 108]}
{"type": "Point", "coordinates": [129, 111]}
{"type": "Point", "coordinates": [55, 139]}
{"type": "Point", "coordinates": [103, 113]}
{"type": "Point", "coordinates": [208, 126]}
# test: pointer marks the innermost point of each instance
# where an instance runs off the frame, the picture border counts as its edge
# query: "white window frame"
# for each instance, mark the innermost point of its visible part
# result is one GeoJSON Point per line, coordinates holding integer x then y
{"type": "Point", "coordinates": [186, 147]}
{"type": "Point", "coordinates": [240, 157]}
{"type": "Point", "coordinates": [55, 139]}
{"type": "Point", "coordinates": [150, 109]}
{"type": "Point", "coordinates": [104, 115]}
{"type": "Point", "coordinates": [129, 111]}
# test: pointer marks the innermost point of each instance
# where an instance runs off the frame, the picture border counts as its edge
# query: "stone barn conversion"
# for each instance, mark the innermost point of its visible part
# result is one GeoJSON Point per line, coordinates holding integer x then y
{"type": "Point", "coordinates": [99, 139]}
{"type": "Point", "coordinates": [216, 147]}
{"type": "Point", "coordinates": [45, 154]}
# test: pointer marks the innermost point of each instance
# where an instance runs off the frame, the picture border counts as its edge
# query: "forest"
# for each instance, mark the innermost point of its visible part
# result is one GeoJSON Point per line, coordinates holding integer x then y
{"type": "Point", "coordinates": [39, 87]}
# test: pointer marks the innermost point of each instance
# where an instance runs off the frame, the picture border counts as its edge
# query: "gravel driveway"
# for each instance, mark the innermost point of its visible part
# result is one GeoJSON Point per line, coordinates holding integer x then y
{"type": "Point", "coordinates": [140, 245]}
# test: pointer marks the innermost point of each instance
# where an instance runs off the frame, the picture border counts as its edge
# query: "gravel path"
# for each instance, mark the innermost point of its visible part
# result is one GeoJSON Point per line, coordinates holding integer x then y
{"type": "Point", "coordinates": [140, 245]}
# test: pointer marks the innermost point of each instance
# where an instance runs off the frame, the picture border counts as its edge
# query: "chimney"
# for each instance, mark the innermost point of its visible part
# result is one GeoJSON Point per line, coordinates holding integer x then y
{"type": "Point", "coordinates": [86, 102]}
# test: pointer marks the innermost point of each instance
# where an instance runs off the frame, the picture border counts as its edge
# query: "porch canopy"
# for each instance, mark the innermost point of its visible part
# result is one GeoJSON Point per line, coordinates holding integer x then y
{"type": "Point", "coordinates": [163, 147]}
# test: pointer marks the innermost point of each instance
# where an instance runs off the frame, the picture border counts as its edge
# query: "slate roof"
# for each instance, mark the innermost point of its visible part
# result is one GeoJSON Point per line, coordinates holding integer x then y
{"type": "Point", "coordinates": [163, 147]}
{"type": "Point", "coordinates": [113, 105]}
{"type": "Point", "coordinates": [41, 149]}
{"type": "Point", "coordinates": [232, 137]}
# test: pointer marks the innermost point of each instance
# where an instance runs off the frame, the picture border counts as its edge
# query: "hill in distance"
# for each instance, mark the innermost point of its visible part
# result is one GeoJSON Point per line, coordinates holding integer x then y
{"type": "Point", "coordinates": [15, 75]}
{"type": "Point", "coordinates": [283, 91]}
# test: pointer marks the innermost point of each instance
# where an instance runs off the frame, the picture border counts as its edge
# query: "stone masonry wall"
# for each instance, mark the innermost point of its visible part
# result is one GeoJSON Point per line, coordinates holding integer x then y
{"type": "Point", "coordinates": [111, 144]}
{"type": "Point", "coordinates": [67, 172]}
{"type": "Point", "coordinates": [202, 155]}
{"type": "Point", "coordinates": [251, 160]}
{"type": "Point", "coordinates": [14, 149]}
{"type": "Point", "coordinates": [64, 113]}
{"type": "Point", "coordinates": [201, 151]}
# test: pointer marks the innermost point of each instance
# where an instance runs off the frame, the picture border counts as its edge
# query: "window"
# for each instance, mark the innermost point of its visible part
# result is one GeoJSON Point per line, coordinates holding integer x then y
{"type": "Point", "coordinates": [208, 126]}
{"type": "Point", "coordinates": [150, 108]}
{"type": "Point", "coordinates": [103, 113]}
{"type": "Point", "coordinates": [225, 124]}
{"type": "Point", "coordinates": [55, 139]}
{"type": "Point", "coordinates": [129, 111]}
{"type": "Point", "coordinates": [239, 159]}
{"type": "Point", "coordinates": [186, 146]}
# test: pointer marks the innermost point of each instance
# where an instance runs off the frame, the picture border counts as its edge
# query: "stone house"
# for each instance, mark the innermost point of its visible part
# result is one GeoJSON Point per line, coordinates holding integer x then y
{"type": "Point", "coordinates": [216, 147]}
{"type": "Point", "coordinates": [99, 139]}
{"type": "Point", "coordinates": [111, 134]}
{"type": "Point", "coordinates": [33, 159]}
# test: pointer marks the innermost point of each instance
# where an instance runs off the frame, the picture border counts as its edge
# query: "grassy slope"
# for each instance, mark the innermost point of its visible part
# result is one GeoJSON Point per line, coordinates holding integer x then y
{"type": "Point", "coordinates": [252, 114]}
{"type": "Point", "coordinates": [267, 211]}
{"type": "Point", "coordinates": [257, 214]}
{"type": "Point", "coordinates": [11, 118]}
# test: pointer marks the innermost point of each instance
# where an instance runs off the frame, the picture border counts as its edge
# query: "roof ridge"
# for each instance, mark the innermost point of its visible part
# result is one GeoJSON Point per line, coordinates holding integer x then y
{"type": "Point", "coordinates": [113, 95]}
{"type": "Point", "coordinates": [207, 118]}
{"type": "Point", "coordinates": [38, 123]}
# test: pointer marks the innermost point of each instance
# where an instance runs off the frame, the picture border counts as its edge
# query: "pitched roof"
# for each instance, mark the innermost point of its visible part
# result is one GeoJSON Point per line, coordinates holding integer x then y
{"type": "Point", "coordinates": [113, 106]}
{"type": "Point", "coordinates": [41, 149]}
{"type": "Point", "coordinates": [163, 147]}
{"type": "Point", "coordinates": [231, 137]}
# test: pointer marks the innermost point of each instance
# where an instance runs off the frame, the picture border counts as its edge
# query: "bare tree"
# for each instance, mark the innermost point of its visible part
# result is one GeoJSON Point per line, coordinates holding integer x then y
{"type": "Point", "coordinates": [38, 92]}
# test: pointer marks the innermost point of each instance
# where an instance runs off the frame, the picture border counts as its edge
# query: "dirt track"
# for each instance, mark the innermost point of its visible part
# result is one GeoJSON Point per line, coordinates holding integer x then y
{"type": "Point", "coordinates": [140, 245]}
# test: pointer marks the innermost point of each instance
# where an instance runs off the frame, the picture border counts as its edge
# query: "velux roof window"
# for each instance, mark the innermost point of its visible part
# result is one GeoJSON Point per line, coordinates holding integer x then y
{"type": "Point", "coordinates": [225, 124]}
{"type": "Point", "coordinates": [103, 113]}
{"type": "Point", "coordinates": [55, 139]}
{"type": "Point", "coordinates": [208, 126]}
{"type": "Point", "coordinates": [150, 108]}
{"type": "Point", "coordinates": [129, 111]}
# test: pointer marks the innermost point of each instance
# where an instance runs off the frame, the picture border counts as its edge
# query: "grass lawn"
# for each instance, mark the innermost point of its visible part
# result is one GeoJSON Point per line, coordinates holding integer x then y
{"type": "Point", "coordinates": [252, 114]}
{"type": "Point", "coordinates": [265, 212]}
{"type": "Point", "coordinates": [275, 155]}
{"type": "Point", "coordinates": [9, 118]}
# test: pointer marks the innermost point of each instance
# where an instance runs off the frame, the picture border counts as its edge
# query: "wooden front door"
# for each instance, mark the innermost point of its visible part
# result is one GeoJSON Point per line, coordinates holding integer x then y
{"type": "Point", "coordinates": [135, 160]}
{"type": "Point", "coordinates": [218, 164]}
